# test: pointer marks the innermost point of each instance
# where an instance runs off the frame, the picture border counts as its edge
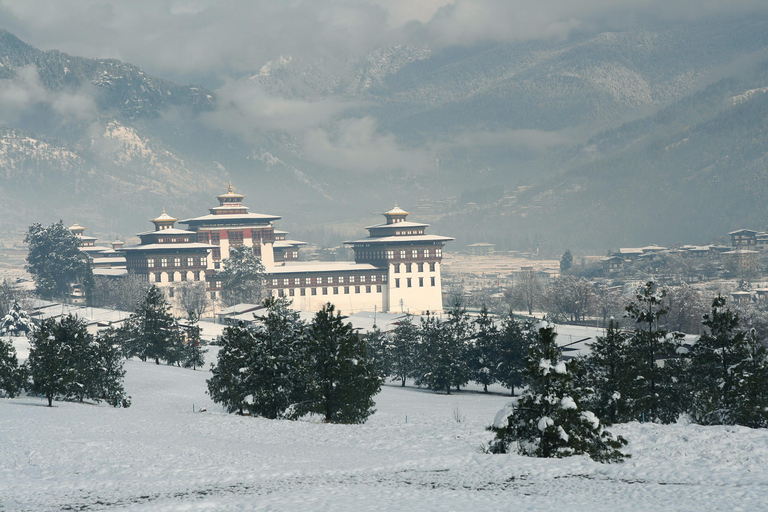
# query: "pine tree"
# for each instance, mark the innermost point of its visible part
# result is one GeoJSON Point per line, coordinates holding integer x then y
{"type": "Point", "coordinates": [484, 350]}
{"type": "Point", "coordinates": [513, 342]}
{"type": "Point", "coordinates": [728, 372]}
{"type": "Point", "coordinates": [242, 278]}
{"type": "Point", "coordinates": [547, 420]}
{"type": "Point", "coordinates": [656, 392]}
{"type": "Point", "coordinates": [192, 353]}
{"type": "Point", "coordinates": [16, 322]}
{"type": "Point", "coordinates": [444, 351]}
{"type": "Point", "coordinates": [56, 261]}
{"type": "Point", "coordinates": [274, 366]}
{"type": "Point", "coordinates": [152, 332]}
{"type": "Point", "coordinates": [107, 381]}
{"type": "Point", "coordinates": [342, 377]}
{"type": "Point", "coordinates": [377, 345]}
{"type": "Point", "coordinates": [230, 382]}
{"type": "Point", "coordinates": [49, 362]}
{"type": "Point", "coordinates": [609, 375]}
{"type": "Point", "coordinates": [750, 405]}
{"type": "Point", "coordinates": [566, 262]}
{"type": "Point", "coordinates": [401, 352]}
{"type": "Point", "coordinates": [73, 332]}
{"type": "Point", "coordinates": [12, 376]}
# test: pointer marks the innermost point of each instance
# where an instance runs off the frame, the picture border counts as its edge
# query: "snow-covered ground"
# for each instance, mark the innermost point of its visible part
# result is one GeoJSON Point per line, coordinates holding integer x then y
{"type": "Point", "coordinates": [159, 455]}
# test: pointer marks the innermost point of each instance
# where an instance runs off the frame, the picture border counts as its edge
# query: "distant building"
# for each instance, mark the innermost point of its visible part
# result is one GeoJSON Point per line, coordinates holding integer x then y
{"type": "Point", "coordinates": [481, 249]}
{"type": "Point", "coordinates": [743, 238]}
{"type": "Point", "coordinates": [168, 255]}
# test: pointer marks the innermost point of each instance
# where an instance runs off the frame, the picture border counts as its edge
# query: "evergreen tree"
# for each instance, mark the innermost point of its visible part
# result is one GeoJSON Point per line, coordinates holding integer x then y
{"type": "Point", "coordinates": [152, 332]}
{"type": "Point", "coordinates": [547, 420]}
{"type": "Point", "coordinates": [342, 377]}
{"type": "Point", "coordinates": [192, 353]}
{"type": "Point", "coordinates": [242, 278]}
{"type": "Point", "coordinates": [73, 332]}
{"type": "Point", "coordinates": [49, 362]}
{"type": "Point", "coordinates": [656, 392]}
{"type": "Point", "coordinates": [728, 373]}
{"type": "Point", "coordinates": [609, 375]}
{"type": "Point", "coordinates": [56, 261]}
{"type": "Point", "coordinates": [484, 350]}
{"type": "Point", "coordinates": [512, 346]}
{"type": "Point", "coordinates": [276, 380]}
{"type": "Point", "coordinates": [12, 376]}
{"type": "Point", "coordinates": [566, 262]}
{"type": "Point", "coordinates": [401, 352]}
{"type": "Point", "coordinates": [750, 405]}
{"type": "Point", "coordinates": [230, 383]}
{"type": "Point", "coordinates": [377, 346]}
{"type": "Point", "coordinates": [107, 379]}
{"type": "Point", "coordinates": [437, 355]}
{"type": "Point", "coordinates": [16, 322]}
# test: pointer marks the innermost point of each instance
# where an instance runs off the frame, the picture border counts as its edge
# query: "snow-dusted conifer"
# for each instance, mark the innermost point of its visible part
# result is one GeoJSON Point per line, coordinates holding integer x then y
{"type": "Point", "coordinates": [484, 350]}
{"type": "Point", "coordinates": [12, 376]}
{"type": "Point", "coordinates": [547, 420]}
{"type": "Point", "coordinates": [275, 375]}
{"type": "Point", "coordinates": [401, 352]}
{"type": "Point", "coordinates": [728, 372]}
{"type": "Point", "coordinates": [608, 374]}
{"type": "Point", "coordinates": [342, 379]}
{"type": "Point", "coordinates": [513, 342]}
{"type": "Point", "coordinates": [656, 392]}
{"type": "Point", "coordinates": [16, 322]}
{"type": "Point", "coordinates": [192, 353]}
{"type": "Point", "coordinates": [152, 332]}
{"type": "Point", "coordinates": [230, 382]}
{"type": "Point", "coordinates": [50, 358]}
{"type": "Point", "coordinates": [242, 278]}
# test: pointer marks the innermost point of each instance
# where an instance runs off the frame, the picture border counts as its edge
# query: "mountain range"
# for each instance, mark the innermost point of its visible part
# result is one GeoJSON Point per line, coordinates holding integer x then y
{"type": "Point", "coordinates": [653, 134]}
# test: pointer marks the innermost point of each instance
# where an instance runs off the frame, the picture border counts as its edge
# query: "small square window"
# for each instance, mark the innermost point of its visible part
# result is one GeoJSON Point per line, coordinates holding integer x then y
{"type": "Point", "coordinates": [397, 283]}
{"type": "Point", "coordinates": [325, 291]}
{"type": "Point", "coordinates": [357, 289]}
{"type": "Point", "coordinates": [346, 289]}
{"type": "Point", "coordinates": [314, 291]}
{"type": "Point", "coordinates": [408, 282]}
{"type": "Point", "coordinates": [367, 289]}
{"type": "Point", "coordinates": [421, 281]}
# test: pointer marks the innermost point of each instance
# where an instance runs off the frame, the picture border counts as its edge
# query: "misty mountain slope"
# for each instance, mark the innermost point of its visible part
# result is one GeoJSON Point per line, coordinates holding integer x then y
{"type": "Point", "coordinates": [676, 184]}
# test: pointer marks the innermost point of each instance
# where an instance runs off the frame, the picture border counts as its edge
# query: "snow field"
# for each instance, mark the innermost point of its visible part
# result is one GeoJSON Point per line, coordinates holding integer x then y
{"type": "Point", "coordinates": [160, 456]}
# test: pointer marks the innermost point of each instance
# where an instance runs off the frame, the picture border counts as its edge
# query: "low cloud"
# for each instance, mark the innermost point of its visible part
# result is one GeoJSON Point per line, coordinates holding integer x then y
{"type": "Point", "coordinates": [536, 140]}
{"type": "Point", "coordinates": [245, 109]}
{"type": "Point", "coordinates": [184, 39]}
{"type": "Point", "coordinates": [25, 95]}
{"type": "Point", "coordinates": [356, 145]}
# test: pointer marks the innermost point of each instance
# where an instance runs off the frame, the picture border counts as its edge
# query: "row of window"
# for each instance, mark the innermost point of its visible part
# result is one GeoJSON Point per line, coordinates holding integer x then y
{"type": "Point", "coordinates": [336, 290]}
{"type": "Point", "coordinates": [178, 262]}
{"type": "Point", "coordinates": [409, 267]}
{"type": "Point", "coordinates": [399, 254]}
{"type": "Point", "coordinates": [409, 282]}
{"type": "Point", "coordinates": [176, 276]}
{"type": "Point", "coordinates": [173, 240]}
{"type": "Point", "coordinates": [307, 281]}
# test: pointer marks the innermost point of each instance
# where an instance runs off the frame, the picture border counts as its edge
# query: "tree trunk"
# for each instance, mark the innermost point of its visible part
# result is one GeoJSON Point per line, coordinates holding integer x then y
{"type": "Point", "coordinates": [485, 388]}
{"type": "Point", "coordinates": [403, 384]}
{"type": "Point", "coordinates": [157, 360]}
{"type": "Point", "coordinates": [50, 401]}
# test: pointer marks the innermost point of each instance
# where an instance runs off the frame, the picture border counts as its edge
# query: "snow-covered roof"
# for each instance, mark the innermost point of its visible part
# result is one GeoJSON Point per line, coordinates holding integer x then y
{"type": "Point", "coordinates": [288, 243]}
{"type": "Point", "coordinates": [110, 272]}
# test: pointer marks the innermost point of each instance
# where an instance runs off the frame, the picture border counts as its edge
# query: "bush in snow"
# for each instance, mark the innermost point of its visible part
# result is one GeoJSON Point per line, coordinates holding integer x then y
{"type": "Point", "coordinates": [547, 420]}
{"type": "Point", "coordinates": [152, 332]}
{"type": "Point", "coordinates": [16, 322]}
{"type": "Point", "coordinates": [232, 374]}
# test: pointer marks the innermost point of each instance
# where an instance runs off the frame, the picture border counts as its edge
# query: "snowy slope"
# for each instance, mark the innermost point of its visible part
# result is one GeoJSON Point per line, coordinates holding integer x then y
{"type": "Point", "coordinates": [159, 455]}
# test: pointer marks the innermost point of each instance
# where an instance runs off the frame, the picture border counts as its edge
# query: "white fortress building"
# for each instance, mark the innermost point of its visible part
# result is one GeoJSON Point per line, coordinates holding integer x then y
{"type": "Point", "coordinates": [396, 268]}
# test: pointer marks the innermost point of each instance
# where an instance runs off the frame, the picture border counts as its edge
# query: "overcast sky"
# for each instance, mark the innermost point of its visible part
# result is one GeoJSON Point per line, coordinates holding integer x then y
{"type": "Point", "coordinates": [215, 42]}
{"type": "Point", "coordinates": [211, 39]}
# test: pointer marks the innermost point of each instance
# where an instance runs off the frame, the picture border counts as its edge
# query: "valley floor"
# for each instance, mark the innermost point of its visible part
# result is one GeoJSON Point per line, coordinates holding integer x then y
{"type": "Point", "coordinates": [159, 455]}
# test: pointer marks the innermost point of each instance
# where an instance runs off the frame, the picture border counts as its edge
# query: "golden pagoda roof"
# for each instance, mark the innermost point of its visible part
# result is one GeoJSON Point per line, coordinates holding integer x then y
{"type": "Point", "coordinates": [230, 193]}
{"type": "Point", "coordinates": [396, 211]}
{"type": "Point", "coordinates": [164, 217]}
{"type": "Point", "coordinates": [76, 227]}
